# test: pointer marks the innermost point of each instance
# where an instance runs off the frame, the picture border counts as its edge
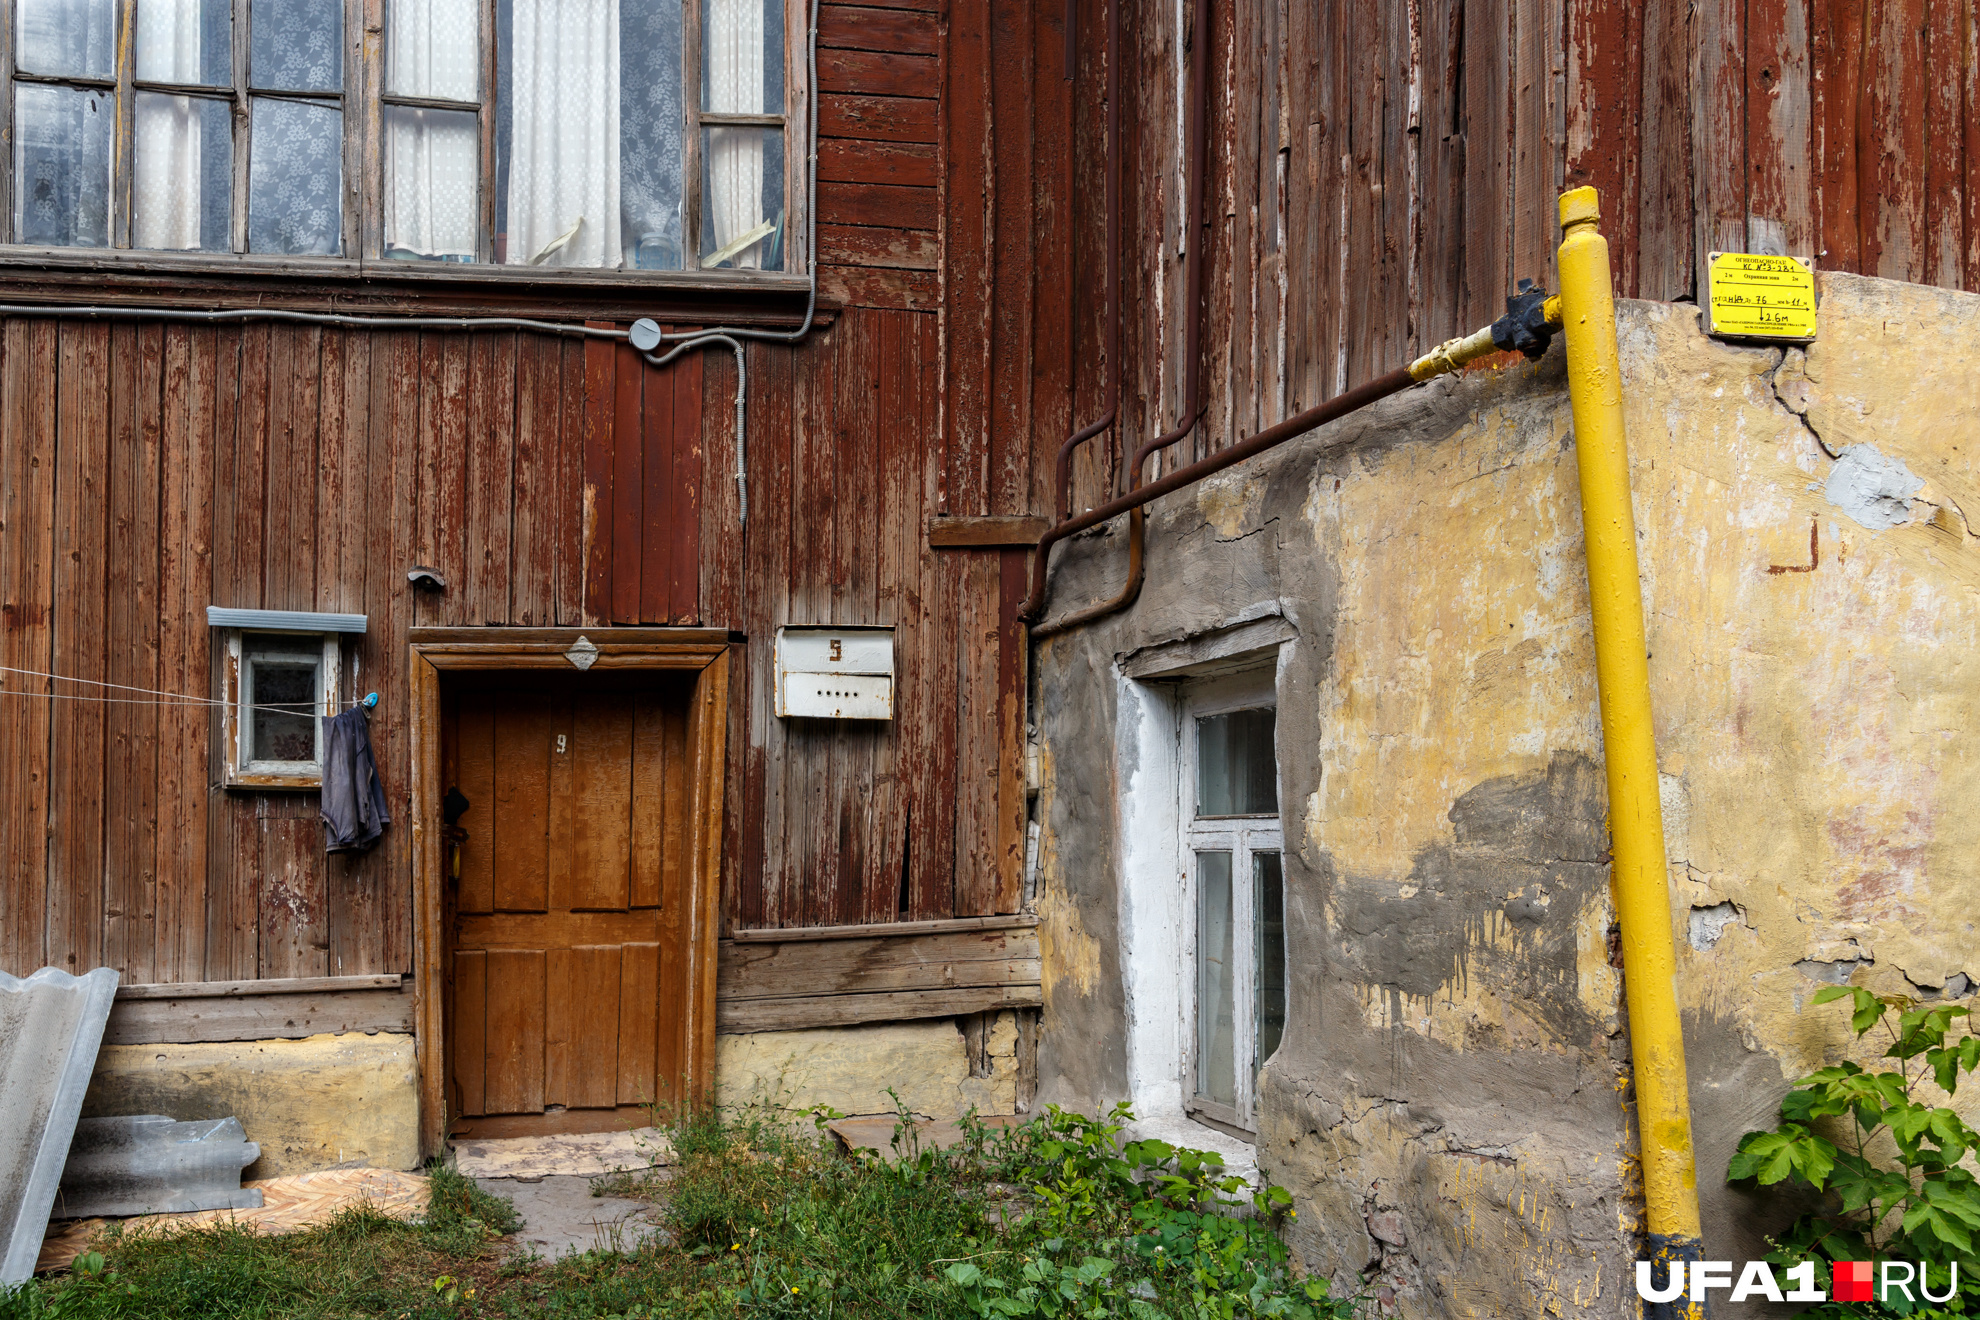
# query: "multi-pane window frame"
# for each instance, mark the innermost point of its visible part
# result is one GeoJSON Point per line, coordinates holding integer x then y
{"type": "Point", "coordinates": [1244, 837]}
{"type": "Point", "coordinates": [363, 101]}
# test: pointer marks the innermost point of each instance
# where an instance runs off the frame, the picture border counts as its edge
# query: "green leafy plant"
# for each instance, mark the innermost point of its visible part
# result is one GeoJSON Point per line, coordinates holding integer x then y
{"type": "Point", "coordinates": [1889, 1164]}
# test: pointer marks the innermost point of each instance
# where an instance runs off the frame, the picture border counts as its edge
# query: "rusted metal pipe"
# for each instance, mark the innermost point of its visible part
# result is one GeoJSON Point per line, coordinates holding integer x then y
{"type": "Point", "coordinates": [1292, 427]}
{"type": "Point", "coordinates": [1113, 387]}
{"type": "Point", "coordinates": [1192, 407]}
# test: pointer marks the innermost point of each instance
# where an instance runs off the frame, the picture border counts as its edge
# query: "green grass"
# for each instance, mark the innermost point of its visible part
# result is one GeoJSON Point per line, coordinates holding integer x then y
{"type": "Point", "coordinates": [764, 1219]}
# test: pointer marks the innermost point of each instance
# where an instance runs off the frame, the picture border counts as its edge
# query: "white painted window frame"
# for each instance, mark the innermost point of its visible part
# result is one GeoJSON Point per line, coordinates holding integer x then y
{"type": "Point", "coordinates": [237, 716]}
{"type": "Point", "coordinates": [1242, 837]}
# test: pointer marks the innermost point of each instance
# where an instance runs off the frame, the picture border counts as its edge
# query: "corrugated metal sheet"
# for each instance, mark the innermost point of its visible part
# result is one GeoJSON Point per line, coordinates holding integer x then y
{"type": "Point", "coordinates": [50, 1026]}
{"type": "Point", "coordinates": [148, 1164]}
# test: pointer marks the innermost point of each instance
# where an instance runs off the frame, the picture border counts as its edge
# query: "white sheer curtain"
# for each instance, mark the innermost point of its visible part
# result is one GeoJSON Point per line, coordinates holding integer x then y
{"type": "Point", "coordinates": [165, 166]}
{"type": "Point", "coordinates": [432, 207]}
{"type": "Point", "coordinates": [735, 155]}
{"type": "Point", "coordinates": [564, 164]}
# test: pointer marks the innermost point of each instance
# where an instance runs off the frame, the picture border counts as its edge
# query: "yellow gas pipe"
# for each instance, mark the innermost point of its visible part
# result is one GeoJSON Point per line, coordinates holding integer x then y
{"type": "Point", "coordinates": [1641, 877]}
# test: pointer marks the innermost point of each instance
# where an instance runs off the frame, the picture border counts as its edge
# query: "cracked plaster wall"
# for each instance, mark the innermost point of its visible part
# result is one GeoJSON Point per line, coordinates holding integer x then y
{"type": "Point", "coordinates": [1451, 1104]}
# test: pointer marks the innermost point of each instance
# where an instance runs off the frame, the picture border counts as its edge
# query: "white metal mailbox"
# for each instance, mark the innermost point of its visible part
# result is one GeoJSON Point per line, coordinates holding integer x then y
{"type": "Point", "coordinates": [836, 673]}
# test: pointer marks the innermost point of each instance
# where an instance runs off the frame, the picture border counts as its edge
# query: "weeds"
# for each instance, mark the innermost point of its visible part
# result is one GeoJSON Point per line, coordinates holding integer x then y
{"type": "Point", "coordinates": [765, 1217]}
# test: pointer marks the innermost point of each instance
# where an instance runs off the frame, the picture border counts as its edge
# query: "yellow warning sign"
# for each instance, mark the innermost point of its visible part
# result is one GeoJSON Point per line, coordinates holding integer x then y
{"type": "Point", "coordinates": [1755, 297]}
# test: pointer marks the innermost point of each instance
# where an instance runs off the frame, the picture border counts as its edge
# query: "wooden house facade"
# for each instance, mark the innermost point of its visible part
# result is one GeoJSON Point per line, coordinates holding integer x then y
{"type": "Point", "coordinates": [1377, 175]}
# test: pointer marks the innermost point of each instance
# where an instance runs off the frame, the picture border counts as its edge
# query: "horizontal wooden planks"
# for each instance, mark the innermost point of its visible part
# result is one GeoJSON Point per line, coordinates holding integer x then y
{"type": "Point", "coordinates": [735, 1017]}
{"type": "Point", "coordinates": [274, 1014]}
{"type": "Point", "coordinates": [881, 962]}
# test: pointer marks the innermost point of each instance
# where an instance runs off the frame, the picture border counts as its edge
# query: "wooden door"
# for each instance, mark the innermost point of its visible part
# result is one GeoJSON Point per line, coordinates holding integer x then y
{"type": "Point", "coordinates": [567, 879]}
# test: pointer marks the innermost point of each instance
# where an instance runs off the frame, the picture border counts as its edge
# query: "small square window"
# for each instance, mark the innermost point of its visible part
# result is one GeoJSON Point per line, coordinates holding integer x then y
{"type": "Point", "coordinates": [279, 683]}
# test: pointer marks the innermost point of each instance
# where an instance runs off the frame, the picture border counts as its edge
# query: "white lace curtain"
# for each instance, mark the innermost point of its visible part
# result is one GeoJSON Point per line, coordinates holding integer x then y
{"type": "Point", "coordinates": [735, 155]}
{"type": "Point", "coordinates": [564, 164]}
{"type": "Point", "coordinates": [166, 169]}
{"type": "Point", "coordinates": [432, 208]}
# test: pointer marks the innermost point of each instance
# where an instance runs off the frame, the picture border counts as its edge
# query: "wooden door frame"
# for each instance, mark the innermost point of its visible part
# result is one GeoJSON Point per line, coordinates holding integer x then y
{"type": "Point", "coordinates": [434, 651]}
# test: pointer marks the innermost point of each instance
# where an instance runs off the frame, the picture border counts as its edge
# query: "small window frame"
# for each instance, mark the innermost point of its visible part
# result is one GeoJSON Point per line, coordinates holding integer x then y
{"type": "Point", "coordinates": [240, 769]}
{"type": "Point", "coordinates": [1243, 837]}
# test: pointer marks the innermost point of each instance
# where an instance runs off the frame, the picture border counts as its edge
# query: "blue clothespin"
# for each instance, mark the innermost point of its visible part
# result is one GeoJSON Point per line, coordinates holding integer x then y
{"type": "Point", "coordinates": [370, 701]}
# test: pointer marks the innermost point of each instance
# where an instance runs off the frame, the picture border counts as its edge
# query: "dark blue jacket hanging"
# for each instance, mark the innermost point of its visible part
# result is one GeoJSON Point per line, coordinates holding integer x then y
{"type": "Point", "coordinates": [354, 812]}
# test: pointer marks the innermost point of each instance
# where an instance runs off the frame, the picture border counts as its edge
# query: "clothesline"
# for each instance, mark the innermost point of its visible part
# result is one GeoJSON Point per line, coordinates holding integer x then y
{"type": "Point", "coordinates": [170, 698]}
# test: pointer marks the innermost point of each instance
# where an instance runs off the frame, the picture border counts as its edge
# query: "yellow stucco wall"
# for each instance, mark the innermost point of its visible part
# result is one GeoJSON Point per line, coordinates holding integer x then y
{"type": "Point", "coordinates": [314, 1103]}
{"type": "Point", "coordinates": [851, 1068]}
{"type": "Point", "coordinates": [1813, 715]}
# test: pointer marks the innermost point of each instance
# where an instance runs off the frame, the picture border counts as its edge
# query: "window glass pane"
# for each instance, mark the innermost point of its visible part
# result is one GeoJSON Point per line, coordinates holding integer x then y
{"type": "Point", "coordinates": [432, 201]}
{"type": "Point", "coordinates": [73, 38]}
{"type": "Point", "coordinates": [650, 148]}
{"type": "Point", "coordinates": [1236, 767]}
{"type": "Point", "coordinates": [742, 57]}
{"type": "Point", "coordinates": [62, 166]}
{"type": "Point", "coordinates": [298, 45]}
{"type": "Point", "coordinates": [1269, 921]}
{"type": "Point", "coordinates": [183, 174]}
{"type": "Point", "coordinates": [296, 178]}
{"type": "Point", "coordinates": [742, 221]}
{"type": "Point", "coordinates": [1216, 1059]}
{"type": "Point", "coordinates": [432, 48]}
{"type": "Point", "coordinates": [282, 688]}
{"type": "Point", "coordinates": [186, 41]}
{"type": "Point", "coordinates": [558, 134]}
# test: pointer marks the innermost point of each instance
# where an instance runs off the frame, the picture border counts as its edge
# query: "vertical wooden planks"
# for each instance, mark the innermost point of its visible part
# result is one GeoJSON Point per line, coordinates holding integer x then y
{"type": "Point", "coordinates": [810, 787]}
{"type": "Point", "coordinates": [1667, 242]}
{"type": "Point", "coordinates": [1891, 118]}
{"type": "Point", "coordinates": [765, 605]}
{"type": "Point", "coordinates": [898, 555]}
{"type": "Point", "coordinates": [491, 475]}
{"type": "Point", "coordinates": [295, 926]}
{"type": "Point", "coordinates": [930, 870]}
{"type": "Point", "coordinates": [443, 440]}
{"type": "Point", "coordinates": [639, 1023]}
{"type": "Point", "coordinates": [28, 442]}
{"type": "Point", "coordinates": [575, 502]}
{"type": "Point", "coordinates": [1949, 139]}
{"type": "Point", "coordinates": [685, 494]}
{"type": "Point", "coordinates": [475, 771]}
{"type": "Point", "coordinates": [1539, 132]}
{"type": "Point", "coordinates": [467, 1040]}
{"type": "Point", "coordinates": [532, 566]}
{"type": "Point", "coordinates": [653, 532]}
{"type": "Point", "coordinates": [1488, 167]}
{"type": "Point", "coordinates": [515, 1055]}
{"type": "Point", "coordinates": [1777, 133]}
{"type": "Point", "coordinates": [1441, 153]}
{"type": "Point", "coordinates": [524, 743]}
{"type": "Point", "coordinates": [185, 576]}
{"type": "Point", "coordinates": [132, 728]}
{"type": "Point", "coordinates": [595, 533]}
{"type": "Point", "coordinates": [1605, 107]}
{"type": "Point", "coordinates": [76, 888]}
{"type": "Point", "coordinates": [1718, 127]}
{"type": "Point", "coordinates": [861, 526]}
{"type": "Point", "coordinates": [600, 759]}
{"type": "Point", "coordinates": [628, 486]}
{"type": "Point", "coordinates": [233, 851]}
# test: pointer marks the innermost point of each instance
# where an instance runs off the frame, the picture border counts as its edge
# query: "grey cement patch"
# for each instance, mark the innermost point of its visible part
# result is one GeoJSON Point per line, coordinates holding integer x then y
{"type": "Point", "coordinates": [1874, 490]}
{"type": "Point", "coordinates": [50, 1027]}
{"type": "Point", "coordinates": [562, 1218]}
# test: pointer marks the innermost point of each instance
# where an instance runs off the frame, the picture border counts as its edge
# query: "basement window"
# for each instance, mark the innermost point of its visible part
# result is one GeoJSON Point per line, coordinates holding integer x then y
{"type": "Point", "coordinates": [280, 679]}
{"type": "Point", "coordinates": [1232, 845]}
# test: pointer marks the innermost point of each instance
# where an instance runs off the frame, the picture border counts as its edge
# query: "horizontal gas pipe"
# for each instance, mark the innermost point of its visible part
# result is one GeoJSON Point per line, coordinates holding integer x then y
{"type": "Point", "coordinates": [1446, 357]}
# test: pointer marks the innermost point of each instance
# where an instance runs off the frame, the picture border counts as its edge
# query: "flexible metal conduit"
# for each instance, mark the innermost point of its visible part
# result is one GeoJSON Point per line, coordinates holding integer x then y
{"type": "Point", "coordinates": [726, 336]}
{"type": "Point", "coordinates": [1192, 405]}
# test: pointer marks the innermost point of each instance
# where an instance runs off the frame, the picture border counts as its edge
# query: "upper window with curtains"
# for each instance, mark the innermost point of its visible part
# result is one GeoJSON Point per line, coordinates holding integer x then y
{"type": "Point", "coordinates": [635, 135]}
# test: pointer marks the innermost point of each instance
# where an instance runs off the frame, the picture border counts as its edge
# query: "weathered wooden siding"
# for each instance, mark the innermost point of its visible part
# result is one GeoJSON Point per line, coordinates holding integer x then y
{"type": "Point", "coordinates": [148, 471]}
{"type": "Point", "coordinates": [1383, 171]}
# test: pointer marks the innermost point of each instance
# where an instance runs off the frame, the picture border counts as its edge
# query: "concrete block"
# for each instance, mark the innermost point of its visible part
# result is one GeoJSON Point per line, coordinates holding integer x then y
{"type": "Point", "coordinates": [317, 1103]}
{"type": "Point", "coordinates": [50, 1026]}
{"type": "Point", "coordinates": [149, 1164]}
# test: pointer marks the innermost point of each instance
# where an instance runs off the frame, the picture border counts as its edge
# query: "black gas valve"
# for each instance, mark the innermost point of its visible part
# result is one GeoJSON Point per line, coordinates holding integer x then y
{"type": "Point", "coordinates": [1524, 326]}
